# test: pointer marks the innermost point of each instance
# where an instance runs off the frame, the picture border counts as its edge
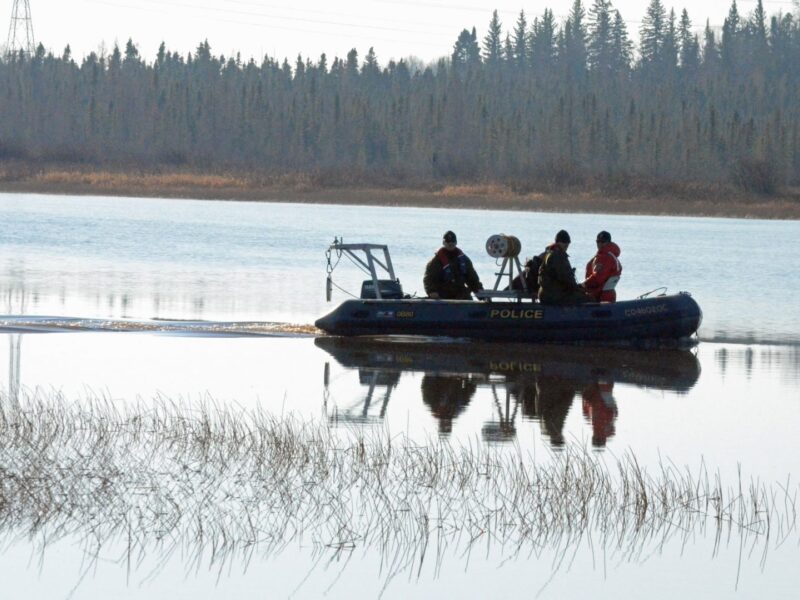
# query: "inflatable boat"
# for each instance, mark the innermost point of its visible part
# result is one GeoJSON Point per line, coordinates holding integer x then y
{"type": "Point", "coordinates": [502, 314]}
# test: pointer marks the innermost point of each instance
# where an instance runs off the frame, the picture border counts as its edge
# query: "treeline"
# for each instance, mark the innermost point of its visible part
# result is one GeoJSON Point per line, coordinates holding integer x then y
{"type": "Point", "coordinates": [537, 103]}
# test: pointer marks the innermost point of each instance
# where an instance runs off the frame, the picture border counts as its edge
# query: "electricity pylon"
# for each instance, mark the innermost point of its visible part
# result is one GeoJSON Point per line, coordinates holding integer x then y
{"type": "Point", "coordinates": [20, 31]}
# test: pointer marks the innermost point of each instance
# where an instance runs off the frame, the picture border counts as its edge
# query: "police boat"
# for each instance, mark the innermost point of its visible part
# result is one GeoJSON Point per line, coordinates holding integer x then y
{"type": "Point", "coordinates": [501, 313]}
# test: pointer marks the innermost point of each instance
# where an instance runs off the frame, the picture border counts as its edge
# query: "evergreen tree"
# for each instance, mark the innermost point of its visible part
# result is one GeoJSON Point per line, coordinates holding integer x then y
{"type": "Point", "coordinates": [351, 66]}
{"type": "Point", "coordinates": [521, 41]}
{"type": "Point", "coordinates": [758, 33]}
{"type": "Point", "coordinates": [710, 49]}
{"type": "Point", "coordinates": [731, 38]}
{"type": "Point", "coordinates": [466, 52]}
{"type": "Point", "coordinates": [652, 32]}
{"type": "Point", "coordinates": [622, 47]}
{"type": "Point", "coordinates": [671, 45]}
{"type": "Point", "coordinates": [543, 42]}
{"type": "Point", "coordinates": [688, 59]}
{"type": "Point", "coordinates": [601, 43]}
{"type": "Point", "coordinates": [492, 43]}
{"type": "Point", "coordinates": [574, 52]}
{"type": "Point", "coordinates": [370, 68]}
{"type": "Point", "coordinates": [508, 51]}
{"type": "Point", "coordinates": [759, 23]}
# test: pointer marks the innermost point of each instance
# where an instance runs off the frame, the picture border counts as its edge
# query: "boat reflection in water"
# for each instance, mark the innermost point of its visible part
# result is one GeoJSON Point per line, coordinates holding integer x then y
{"type": "Point", "coordinates": [538, 383]}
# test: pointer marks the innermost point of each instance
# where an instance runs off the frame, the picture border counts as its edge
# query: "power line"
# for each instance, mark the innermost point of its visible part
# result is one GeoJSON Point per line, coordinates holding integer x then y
{"type": "Point", "coordinates": [320, 28]}
{"type": "Point", "coordinates": [272, 16]}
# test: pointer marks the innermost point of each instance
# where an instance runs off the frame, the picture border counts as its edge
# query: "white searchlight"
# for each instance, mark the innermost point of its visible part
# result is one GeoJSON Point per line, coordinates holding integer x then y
{"type": "Point", "coordinates": [505, 248]}
{"type": "Point", "coordinates": [501, 245]}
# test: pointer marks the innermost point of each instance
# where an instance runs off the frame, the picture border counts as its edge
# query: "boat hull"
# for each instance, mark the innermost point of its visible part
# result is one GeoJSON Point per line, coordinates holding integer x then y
{"type": "Point", "coordinates": [662, 318]}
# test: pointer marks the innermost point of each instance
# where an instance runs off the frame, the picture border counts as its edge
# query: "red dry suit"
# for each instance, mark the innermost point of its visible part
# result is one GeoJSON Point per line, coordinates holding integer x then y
{"type": "Point", "coordinates": [603, 272]}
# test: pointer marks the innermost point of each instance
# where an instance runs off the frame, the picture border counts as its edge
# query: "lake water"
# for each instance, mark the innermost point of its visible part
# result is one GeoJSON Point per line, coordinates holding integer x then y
{"type": "Point", "coordinates": [214, 300]}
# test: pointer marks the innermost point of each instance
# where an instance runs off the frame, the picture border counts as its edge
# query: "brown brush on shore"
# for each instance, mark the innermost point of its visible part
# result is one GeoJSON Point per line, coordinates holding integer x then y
{"type": "Point", "coordinates": [631, 198]}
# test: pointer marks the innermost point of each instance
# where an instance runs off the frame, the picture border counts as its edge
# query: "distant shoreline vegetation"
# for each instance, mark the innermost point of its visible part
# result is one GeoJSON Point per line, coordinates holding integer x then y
{"type": "Point", "coordinates": [539, 107]}
{"type": "Point", "coordinates": [643, 198]}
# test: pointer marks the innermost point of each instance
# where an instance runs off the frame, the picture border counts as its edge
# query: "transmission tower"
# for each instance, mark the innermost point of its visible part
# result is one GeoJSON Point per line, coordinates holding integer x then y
{"type": "Point", "coordinates": [20, 31]}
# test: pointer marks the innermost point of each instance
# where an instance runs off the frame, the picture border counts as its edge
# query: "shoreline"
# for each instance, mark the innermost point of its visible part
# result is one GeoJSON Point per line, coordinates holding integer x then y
{"type": "Point", "coordinates": [709, 202]}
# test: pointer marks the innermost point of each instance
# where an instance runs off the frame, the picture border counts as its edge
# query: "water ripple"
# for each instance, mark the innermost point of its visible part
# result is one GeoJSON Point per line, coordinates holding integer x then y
{"type": "Point", "coordinates": [49, 324]}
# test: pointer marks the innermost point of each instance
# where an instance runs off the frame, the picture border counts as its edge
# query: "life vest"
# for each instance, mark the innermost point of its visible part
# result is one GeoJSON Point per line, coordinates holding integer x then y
{"type": "Point", "coordinates": [448, 274]}
{"type": "Point", "coordinates": [605, 263]}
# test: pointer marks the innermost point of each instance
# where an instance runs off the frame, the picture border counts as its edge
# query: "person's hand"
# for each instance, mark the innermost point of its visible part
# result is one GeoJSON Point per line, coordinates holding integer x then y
{"type": "Point", "coordinates": [433, 295]}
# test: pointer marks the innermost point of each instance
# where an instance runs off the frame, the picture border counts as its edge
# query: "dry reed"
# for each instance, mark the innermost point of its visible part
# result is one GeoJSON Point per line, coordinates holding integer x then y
{"type": "Point", "coordinates": [156, 181]}
{"type": "Point", "coordinates": [220, 484]}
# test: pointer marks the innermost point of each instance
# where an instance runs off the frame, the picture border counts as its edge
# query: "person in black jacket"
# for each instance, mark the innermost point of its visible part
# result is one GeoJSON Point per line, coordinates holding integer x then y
{"type": "Point", "coordinates": [450, 275]}
{"type": "Point", "coordinates": [557, 283]}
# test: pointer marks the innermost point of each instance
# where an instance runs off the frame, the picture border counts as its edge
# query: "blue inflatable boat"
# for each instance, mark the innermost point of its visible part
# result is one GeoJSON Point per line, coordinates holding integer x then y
{"type": "Point", "coordinates": [501, 315]}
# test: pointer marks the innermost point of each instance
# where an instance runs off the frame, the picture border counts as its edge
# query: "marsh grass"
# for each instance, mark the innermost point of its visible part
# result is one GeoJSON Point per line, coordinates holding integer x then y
{"type": "Point", "coordinates": [216, 485]}
{"type": "Point", "coordinates": [111, 179]}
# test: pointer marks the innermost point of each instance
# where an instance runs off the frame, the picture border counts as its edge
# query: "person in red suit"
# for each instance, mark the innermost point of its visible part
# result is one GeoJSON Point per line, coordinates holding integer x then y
{"type": "Point", "coordinates": [604, 270]}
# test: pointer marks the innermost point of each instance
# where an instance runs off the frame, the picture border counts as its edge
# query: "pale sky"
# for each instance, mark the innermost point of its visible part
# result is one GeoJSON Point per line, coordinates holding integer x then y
{"type": "Point", "coordinates": [423, 28]}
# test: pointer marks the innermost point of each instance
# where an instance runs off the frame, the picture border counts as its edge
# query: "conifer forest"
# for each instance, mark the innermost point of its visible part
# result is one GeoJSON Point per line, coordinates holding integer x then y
{"type": "Point", "coordinates": [535, 102]}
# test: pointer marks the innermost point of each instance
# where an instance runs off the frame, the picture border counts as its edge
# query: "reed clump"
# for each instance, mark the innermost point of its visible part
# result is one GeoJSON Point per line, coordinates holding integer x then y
{"type": "Point", "coordinates": [220, 483]}
{"type": "Point", "coordinates": [476, 189]}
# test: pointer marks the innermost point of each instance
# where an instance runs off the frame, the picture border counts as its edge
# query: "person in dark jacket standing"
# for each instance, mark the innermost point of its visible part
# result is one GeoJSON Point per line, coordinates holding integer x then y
{"type": "Point", "coordinates": [604, 270]}
{"type": "Point", "coordinates": [557, 283]}
{"type": "Point", "coordinates": [450, 275]}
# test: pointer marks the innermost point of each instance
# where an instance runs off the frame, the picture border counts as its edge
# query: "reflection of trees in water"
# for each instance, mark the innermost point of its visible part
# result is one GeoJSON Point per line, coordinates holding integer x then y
{"type": "Point", "coordinates": [447, 396]}
{"type": "Point", "coordinates": [16, 303]}
{"type": "Point", "coordinates": [722, 360]}
{"type": "Point", "coordinates": [216, 485]}
{"type": "Point", "coordinates": [145, 294]}
{"type": "Point", "coordinates": [783, 361]}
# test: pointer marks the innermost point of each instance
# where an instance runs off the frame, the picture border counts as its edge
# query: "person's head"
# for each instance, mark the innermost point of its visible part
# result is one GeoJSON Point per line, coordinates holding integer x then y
{"type": "Point", "coordinates": [449, 240]}
{"type": "Point", "coordinates": [603, 238]}
{"type": "Point", "coordinates": [563, 239]}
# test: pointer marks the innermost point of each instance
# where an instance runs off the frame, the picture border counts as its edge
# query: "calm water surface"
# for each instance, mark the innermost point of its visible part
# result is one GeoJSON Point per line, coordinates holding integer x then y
{"type": "Point", "coordinates": [150, 258]}
{"type": "Point", "coordinates": [730, 406]}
